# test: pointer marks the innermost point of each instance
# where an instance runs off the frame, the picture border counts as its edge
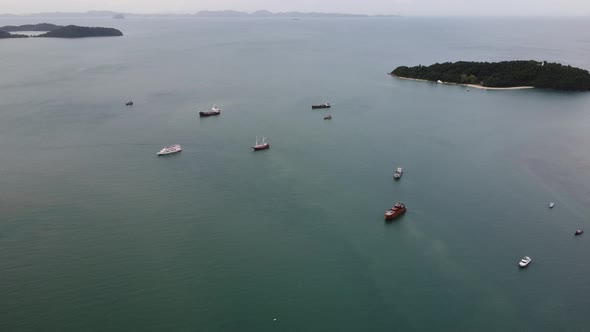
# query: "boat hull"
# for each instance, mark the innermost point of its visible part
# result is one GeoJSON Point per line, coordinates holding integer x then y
{"type": "Point", "coordinates": [261, 147]}
{"type": "Point", "coordinates": [168, 153]}
{"type": "Point", "coordinates": [315, 107]}
{"type": "Point", "coordinates": [395, 212]}
{"type": "Point", "coordinates": [207, 114]}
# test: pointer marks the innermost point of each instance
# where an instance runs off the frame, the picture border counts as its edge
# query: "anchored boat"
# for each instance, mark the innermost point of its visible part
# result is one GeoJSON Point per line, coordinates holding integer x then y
{"type": "Point", "coordinates": [170, 150]}
{"type": "Point", "coordinates": [397, 210]}
{"type": "Point", "coordinates": [261, 146]}
{"type": "Point", "coordinates": [398, 173]}
{"type": "Point", "coordinates": [525, 261]}
{"type": "Point", "coordinates": [324, 105]}
{"type": "Point", "coordinates": [214, 111]}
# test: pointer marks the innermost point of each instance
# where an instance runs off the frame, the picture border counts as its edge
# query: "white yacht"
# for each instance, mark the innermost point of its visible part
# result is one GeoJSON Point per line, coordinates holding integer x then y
{"type": "Point", "coordinates": [551, 205]}
{"type": "Point", "coordinates": [398, 173]}
{"type": "Point", "coordinates": [526, 260]}
{"type": "Point", "coordinates": [170, 150]}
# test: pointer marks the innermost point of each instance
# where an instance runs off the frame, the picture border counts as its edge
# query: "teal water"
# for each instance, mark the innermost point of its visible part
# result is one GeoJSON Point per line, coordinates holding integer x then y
{"type": "Point", "coordinates": [98, 234]}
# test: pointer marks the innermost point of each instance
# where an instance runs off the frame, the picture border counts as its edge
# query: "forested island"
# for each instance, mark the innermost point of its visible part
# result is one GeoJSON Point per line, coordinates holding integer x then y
{"type": "Point", "coordinates": [58, 31]}
{"type": "Point", "coordinates": [505, 74]}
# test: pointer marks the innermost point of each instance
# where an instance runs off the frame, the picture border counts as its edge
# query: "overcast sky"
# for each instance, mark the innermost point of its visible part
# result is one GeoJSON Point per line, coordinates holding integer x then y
{"type": "Point", "coordinates": [405, 7]}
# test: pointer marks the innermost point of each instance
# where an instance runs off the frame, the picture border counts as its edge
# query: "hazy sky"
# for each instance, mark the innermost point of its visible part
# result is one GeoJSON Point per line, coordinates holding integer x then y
{"type": "Point", "coordinates": [405, 7]}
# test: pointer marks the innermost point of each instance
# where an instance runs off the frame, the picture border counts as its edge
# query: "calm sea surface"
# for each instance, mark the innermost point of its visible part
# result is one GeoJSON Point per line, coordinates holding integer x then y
{"type": "Point", "coordinates": [99, 234]}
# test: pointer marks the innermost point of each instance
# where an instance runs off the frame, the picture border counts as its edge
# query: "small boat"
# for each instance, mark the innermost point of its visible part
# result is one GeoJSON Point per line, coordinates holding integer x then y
{"type": "Point", "coordinates": [397, 210]}
{"type": "Point", "coordinates": [261, 146]}
{"type": "Point", "coordinates": [525, 261]}
{"type": "Point", "coordinates": [170, 150]}
{"type": "Point", "coordinates": [398, 173]}
{"type": "Point", "coordinates": [129, 103]}
{"type": "Point", "coordinates": [439, 82]}
{"type": "Point", "coordinates": [551, 205]}
{"type": "Point", "coordinates": [328, 117]}
{"type": "Point", "coordinates": [579, 232]}
{"type": "Point", "coordinates": [324, 105]}
{"type": "Point", "coordinates": [214, 111]}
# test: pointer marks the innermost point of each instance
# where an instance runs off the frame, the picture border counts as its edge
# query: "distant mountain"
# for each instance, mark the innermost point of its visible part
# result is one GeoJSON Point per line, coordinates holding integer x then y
{"type": "Point", "coordinates": [204, 13]}
{"type": "Point", "coordinates": [266, 13]}
{"type": "Point", "coordinates": [30, 27]}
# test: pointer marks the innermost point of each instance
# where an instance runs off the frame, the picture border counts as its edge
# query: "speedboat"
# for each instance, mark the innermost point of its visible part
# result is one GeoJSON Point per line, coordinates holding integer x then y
{"type": "Point", "coordinates": [328, 117]}
{"type": "Point", "coordinates": [261, 146]}
{"type": "Point", "coordinates": [551, 205]}
{"type": "Point", "coordinates": [129, 103]}
{"type": "Point", "coordinates": [214, 111]}
{"type": "Point", "coordinates": [525, 261]}
{"type": "Point", "coordinates": [170, 150]}
{"type": "Point", "coordinates": [324, 105]}
{"type": "Point", "coordinates": [579, 232]}
{"type": "Point", "coordinates": [398, 173]}
{"type": "Point", "coordinates": [397, 210]}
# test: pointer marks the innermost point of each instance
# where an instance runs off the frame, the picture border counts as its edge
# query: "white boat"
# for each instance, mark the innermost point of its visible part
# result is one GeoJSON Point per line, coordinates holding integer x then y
{"type": "Point", "coordinates": [526, 260]}
{"type": "Point", "coordinates": [551, 205]}
{"type": "Point", "coordinates": [439, 82]}
{"type": "Point", "coordinates": [398, 173]}
{"type": "Point", "coordinates": [170, 150]}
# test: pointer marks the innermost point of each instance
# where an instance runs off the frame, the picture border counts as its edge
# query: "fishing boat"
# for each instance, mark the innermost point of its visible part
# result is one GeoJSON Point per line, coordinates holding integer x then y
{"type": "Point", "coordinates": [397, 210]}
{"type": "Point", "coordinates": [525, 261]}
{"type": "Point", "coordinates": [170, 150]}
{"type": "Point", "coordinates": [129, 103]}
{"type": "Point", "coordinates": [398, 173]}
{"type": "Point", "coordinates": [262, 145]}
{"type": "Point", "coordinates": [328, 117]}
{"type": "Point", "coordinates": [324, 105]}
{"type": "Point", "coordinates": [214, 111]}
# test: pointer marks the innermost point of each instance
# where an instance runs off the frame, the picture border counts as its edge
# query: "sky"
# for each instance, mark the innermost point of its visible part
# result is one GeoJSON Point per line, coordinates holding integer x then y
{"type": "Point", "coordinates": [404, 7]}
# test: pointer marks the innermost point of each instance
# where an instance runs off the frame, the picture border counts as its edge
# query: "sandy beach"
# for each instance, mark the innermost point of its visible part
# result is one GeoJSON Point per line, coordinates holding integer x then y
{"type": "Point", "coordinates": [475, 86]}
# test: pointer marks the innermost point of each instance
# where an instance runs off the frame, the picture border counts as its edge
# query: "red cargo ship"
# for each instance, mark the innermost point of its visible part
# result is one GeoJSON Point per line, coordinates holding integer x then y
{"type": "Point", "coordinates": [397, 210]}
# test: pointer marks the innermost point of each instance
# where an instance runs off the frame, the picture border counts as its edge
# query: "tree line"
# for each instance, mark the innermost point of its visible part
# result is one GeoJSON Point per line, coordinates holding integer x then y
{"type": "Point", "coordinates": [502, 74]}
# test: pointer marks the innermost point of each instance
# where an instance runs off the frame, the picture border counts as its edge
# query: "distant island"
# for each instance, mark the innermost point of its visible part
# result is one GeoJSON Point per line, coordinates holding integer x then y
{"type": "Point", "coordinates": [58, 31]}
{"type": "Point", "coordinates": [505, 74]}
{"type": "Point", "coordinates": [119, 17]}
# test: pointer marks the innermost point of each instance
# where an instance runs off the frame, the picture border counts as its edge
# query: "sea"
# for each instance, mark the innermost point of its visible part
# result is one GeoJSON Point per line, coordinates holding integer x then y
{"type": "Point", "coordinates": [97, 233]}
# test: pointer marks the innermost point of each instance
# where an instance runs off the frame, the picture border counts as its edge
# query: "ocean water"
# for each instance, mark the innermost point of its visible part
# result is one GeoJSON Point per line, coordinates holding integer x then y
{"type": "Point", "coordinates": [99, 234]}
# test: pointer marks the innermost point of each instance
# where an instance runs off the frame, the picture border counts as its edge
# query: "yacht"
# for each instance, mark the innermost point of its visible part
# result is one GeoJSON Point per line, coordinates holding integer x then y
{"type": "Point", "coordinates": [170, 150]}
{"type": "Point", "coordinates": [525, 261]}
{"type": "Point", "coordinates": [551, 205]}
{"type": "Point", "coordinates": [262, 145]}
{"type": "Point", "coordinates": [398, 173]}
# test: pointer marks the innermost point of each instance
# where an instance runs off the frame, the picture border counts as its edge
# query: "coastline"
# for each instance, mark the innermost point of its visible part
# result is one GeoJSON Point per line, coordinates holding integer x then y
{"type": "Point", "coordinates": [467, 85]}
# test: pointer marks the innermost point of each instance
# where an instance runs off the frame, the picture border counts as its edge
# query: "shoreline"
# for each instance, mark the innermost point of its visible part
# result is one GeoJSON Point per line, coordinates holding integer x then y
{"type": "Point", "coordinates": [467, 85]}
